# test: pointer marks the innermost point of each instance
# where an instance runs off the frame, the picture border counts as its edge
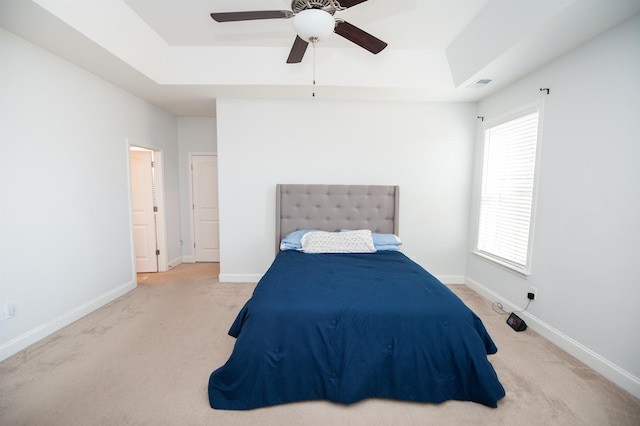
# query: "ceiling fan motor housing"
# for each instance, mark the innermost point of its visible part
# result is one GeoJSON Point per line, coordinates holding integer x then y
{"type": "Point", "coordinates": [329, 6]}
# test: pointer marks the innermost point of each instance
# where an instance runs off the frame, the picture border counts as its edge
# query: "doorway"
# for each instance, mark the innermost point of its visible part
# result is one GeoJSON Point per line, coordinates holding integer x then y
{"type": "Point", "coordinates": [204, 192]}
{"type": "Point", "coordinates": [147, 212]}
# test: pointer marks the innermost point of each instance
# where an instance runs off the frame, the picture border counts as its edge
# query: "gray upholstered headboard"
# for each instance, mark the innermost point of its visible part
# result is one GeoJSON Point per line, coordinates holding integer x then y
{"type": "Point", "coordinates": [335, 207]}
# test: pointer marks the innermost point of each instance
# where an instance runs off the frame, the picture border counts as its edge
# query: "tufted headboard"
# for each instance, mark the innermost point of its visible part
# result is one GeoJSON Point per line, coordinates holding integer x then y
{"type": "Point", "coordinates": [335, 207]}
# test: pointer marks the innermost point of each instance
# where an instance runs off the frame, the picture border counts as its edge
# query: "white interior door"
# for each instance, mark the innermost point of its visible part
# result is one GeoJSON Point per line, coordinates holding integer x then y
{"type": "Point", "coordinates": [204, 169]}
{"type": "Point", "coordinates": [144, 221]}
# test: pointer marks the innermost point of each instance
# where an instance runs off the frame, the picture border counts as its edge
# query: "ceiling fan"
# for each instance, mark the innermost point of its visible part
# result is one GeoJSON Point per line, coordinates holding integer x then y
{"type": "Point", "coordinates": [308, 12]}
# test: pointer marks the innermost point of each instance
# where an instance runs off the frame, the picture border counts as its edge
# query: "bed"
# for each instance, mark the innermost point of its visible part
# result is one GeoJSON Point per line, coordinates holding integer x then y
{"type": "Point", "coordinates": [353, 324]}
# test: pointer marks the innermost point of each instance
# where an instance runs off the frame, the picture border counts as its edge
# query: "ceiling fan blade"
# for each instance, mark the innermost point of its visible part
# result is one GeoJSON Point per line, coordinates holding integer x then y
{"type": "Point", "coordinates": [349, 3]}
{"type": "Point", "coordinates": [360, 37]}
{"type": "Point", "coordinates": [297, 51]}
{"type": "Point", "coordinates": [251, 15]}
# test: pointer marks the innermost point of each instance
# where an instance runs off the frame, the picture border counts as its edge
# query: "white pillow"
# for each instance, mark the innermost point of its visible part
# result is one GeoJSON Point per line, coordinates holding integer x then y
{"type": "Point", "coordinates": [360, 241]}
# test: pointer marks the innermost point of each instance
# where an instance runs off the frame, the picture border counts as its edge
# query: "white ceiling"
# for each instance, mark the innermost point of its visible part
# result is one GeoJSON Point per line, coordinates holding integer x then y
{"type": "Point", "coordinates": [173, 54]}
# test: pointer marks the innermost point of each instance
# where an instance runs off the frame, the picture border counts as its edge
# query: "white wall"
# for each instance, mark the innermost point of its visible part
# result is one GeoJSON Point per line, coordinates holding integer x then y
{"type": "Point", "coordinates": [195, 135]}
{"type": "Point", "coordinates": [427, 149]}
{"type": "Point", "coordinates": [585, 247]}
{"type": "Point", "coordinates": [66, 244]}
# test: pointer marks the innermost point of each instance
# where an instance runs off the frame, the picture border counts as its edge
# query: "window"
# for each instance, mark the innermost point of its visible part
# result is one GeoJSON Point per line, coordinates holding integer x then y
{"type": "Point", "coordinates": [507, 188]}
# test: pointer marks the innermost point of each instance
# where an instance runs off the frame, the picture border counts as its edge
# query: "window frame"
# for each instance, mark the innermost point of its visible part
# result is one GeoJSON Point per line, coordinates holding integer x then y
{"type": "Point", "coordinates": [521, 270]}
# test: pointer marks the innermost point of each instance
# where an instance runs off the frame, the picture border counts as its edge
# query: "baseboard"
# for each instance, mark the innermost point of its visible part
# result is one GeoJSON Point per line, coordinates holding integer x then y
{"type": "Point", "coordinates": [175, 262]}
{"type": "Point", "coordinates": [451, 279]}
{"type": "Point", "coordinates": [188, 259]}
{"type": "Point", "coordinates": [35, 335]}
{"type": "Point", "coordinates": [611, 371]}
{"type": "Point", "coordinates": [239, 278]}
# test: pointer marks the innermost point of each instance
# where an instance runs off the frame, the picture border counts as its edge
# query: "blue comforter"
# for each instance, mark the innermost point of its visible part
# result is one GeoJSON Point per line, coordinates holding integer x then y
{"type": "Point", "coordinates": [345, 327]}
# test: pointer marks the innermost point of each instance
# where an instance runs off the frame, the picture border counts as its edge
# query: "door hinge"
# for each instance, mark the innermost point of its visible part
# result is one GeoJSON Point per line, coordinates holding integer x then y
{"type": "Point", "coordinates": [155, 209]}
{"type": "Point", "coordinates": [157, 252]}
{"type": "Point", "coordinates": [153, 164]}
{"type": "Point", "coordinates": [194, 245]}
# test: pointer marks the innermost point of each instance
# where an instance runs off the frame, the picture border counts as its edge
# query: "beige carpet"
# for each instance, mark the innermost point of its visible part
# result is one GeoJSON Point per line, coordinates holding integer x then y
{"type": "Point", "coordinates": [145, 359]}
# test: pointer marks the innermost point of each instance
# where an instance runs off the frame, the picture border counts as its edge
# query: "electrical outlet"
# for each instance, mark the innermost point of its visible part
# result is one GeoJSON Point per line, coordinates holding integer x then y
{"type": "Point", "coordinates": [8, 311]}
{"type": "Point", "coordinates": [534, 291]}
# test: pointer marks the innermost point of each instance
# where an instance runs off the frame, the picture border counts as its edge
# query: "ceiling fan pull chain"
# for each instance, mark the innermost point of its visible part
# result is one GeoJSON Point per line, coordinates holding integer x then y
{"type": "Point", "coordinates": [314, 69]}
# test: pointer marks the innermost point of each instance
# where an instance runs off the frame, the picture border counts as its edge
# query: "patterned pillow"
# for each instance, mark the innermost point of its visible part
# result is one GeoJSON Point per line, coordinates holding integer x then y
{"type": "Point", "coordinates": [359, 241]}
{"type": "Point", "coordinates": [383, 242]}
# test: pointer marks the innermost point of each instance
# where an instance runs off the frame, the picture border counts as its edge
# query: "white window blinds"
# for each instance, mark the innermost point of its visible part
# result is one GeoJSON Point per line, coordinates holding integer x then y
{"type": "Point", "coordinates": [506, 196]}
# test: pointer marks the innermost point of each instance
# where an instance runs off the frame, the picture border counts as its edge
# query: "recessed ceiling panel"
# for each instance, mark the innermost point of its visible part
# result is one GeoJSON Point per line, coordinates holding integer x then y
{"type": "Point", "coordinates": [404, 24]}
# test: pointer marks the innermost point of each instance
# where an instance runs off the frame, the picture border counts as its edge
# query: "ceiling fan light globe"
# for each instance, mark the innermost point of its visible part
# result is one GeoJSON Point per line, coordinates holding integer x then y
{"type": "Point", "coordinates": [313, 25]}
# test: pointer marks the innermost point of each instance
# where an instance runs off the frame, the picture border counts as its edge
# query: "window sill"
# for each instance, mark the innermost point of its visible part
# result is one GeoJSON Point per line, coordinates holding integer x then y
{"type": "Point", "coordinates": [503, 264]}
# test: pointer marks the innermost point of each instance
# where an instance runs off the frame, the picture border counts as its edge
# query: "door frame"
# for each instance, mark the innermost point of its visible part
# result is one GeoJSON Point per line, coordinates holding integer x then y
{"type": "Point", "coordinates": [161, 227]}
{"type": "Point", "coordinates": [192, 224]}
